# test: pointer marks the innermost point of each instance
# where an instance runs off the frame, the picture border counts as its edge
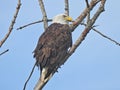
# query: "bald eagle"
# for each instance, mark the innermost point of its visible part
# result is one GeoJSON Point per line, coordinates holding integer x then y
{"type": "Point", "coordinates": [53, 46]}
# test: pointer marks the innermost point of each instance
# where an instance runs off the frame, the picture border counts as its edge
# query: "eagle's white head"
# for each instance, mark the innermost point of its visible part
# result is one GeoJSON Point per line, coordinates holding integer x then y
{"type": "Point", "coordinates": [62, 19]}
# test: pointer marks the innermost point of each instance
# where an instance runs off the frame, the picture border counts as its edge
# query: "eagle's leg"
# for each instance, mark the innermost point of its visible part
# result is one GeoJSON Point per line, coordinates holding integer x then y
{"type": "Point", "coordinates": [42, 80]}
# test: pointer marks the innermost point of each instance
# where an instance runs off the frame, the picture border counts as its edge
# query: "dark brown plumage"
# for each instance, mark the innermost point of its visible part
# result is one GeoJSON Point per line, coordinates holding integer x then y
{"type": "Point", "coordinates": [52, 47]}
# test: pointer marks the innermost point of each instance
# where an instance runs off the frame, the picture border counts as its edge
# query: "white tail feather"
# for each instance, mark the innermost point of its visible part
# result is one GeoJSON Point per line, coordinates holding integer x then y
{"type": "Point", "coordinates": [42, 80]}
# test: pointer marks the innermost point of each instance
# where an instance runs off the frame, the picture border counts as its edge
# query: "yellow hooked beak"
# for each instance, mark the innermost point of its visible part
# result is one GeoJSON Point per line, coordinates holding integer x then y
{"type": "Point", "coordinates": [68, 18]}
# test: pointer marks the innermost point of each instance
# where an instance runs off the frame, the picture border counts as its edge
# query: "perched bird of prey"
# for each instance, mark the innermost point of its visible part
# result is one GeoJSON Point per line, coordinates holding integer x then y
{"type": "Point", "coordinates": [53, 46]}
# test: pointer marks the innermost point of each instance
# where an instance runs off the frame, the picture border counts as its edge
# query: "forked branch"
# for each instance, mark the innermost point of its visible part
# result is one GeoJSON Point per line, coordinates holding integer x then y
{"type": "Point", "coordinates": [88, 27]}
{"type": "Point", "coordinates": [83, 15]}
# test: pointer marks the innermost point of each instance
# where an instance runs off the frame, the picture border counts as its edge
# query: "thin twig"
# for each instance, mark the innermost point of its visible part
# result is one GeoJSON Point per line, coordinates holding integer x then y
{"type": "Point", "coordinates": [4, 52]}
{"type": "Point", "coordinates": [21, 27]}
{"type": "Point", "coordinates": [67, 7]}
{"type": "Point", "coordinates": [87, 4]}
{"type": "Point", "coordinates": [88, 14]}
{"type": "Point", "coordinates": [43, 13]}
{"type": "Point", "coordinates": [29, 76]}
{"type": "Point", "coordinates": [12, 23]}
{"type": "Point", "coordinates": [103, 35]}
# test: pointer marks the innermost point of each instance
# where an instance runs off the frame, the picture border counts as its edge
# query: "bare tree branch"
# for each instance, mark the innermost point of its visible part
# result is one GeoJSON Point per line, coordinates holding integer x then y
{"type": "Point", "coordinates": [29, 76]}
{"type": "Point", "coordinates": [67, 7]}
{"type": "Point", "coordinates": [4, 52]}
{"type": "Point", "coordinates": [12, 23]}
{"type": "Point", "coordinates": [44, 14]}
{"type": "Point", "coordinates": [86, 30]}
{"type": "Point", "coordinates": [87, 4]}
{"type": "Point", "coordinates": [21, 27]}
{"type": "Point", "coordinates": [88, 14]}
{"type": "Point", "coordinates": [40, 84]}
{"type": "Point", "coordinates": [103, 35]}
{"type": "Point", "coordinates": [84, 14]}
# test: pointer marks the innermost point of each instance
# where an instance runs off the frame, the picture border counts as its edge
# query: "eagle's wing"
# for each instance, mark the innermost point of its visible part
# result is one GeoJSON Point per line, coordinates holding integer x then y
{"type": "Point", "coordinates": [52, 47]}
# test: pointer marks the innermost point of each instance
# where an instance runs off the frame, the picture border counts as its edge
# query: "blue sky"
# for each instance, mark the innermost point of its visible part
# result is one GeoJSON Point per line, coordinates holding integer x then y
{"type": "Point", "coordinates": [95, 65]}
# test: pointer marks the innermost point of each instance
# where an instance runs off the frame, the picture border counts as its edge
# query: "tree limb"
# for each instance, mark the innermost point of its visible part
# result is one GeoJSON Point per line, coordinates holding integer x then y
{"type": "Point", "coordinates": [84, 14]}
{"type": "Point", "coordinates": [48, 20]}
{"type": "Point", "coordinates": [43, 13]}
{"type": "Point", "coordinates": [67, 7]}
{"type": "Point", "coordinates": [88, 14]}
{"type": "Point", "coordinates": [12, 23]}
{"type": "Point", "coordinates": [39, 21]}
{"type": "Point", "coordinates": [103, 35]}
{"type": "Point", "coordinates": [86, 30]}
{"type": "Point", "coordinates": [87, 4]}
{"type": "Point", "coordinates": [29, 76]}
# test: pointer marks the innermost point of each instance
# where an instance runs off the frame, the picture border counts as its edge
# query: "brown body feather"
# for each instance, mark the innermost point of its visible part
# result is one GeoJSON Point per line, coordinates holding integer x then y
{"type": "Point", "coordinates": [52, 47]}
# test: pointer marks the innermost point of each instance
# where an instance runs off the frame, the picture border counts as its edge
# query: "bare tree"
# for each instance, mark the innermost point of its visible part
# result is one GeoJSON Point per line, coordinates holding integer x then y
{"type": "Point", "coordinates": [85, 15]}
{"type": "Point", "coordinates": [88, 26]}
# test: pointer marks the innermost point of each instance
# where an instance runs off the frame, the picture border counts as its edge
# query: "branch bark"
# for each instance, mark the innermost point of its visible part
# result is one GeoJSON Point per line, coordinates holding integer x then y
{"type": "Point", "coordinates": [12, 23]}
{"type": "Point", "coordinates": [67, 7]}
{"type": "Point", "coordinates": [39, 21]}
{"type": "Point", "coordinates": [103, 35]}
{"type": "Point", "coordinates": [83, 15]}
{"type": "Point", "coordinates": [45, 20]}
